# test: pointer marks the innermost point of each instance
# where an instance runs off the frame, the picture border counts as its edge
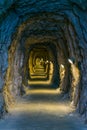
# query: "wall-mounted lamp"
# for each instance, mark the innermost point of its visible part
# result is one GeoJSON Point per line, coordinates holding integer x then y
{"type": "Point", "coordinates": [62, 65]}
{"type": "Point", "coordinates": [46, 62]}
{"type": "Point", "coordinates": [70, 61]}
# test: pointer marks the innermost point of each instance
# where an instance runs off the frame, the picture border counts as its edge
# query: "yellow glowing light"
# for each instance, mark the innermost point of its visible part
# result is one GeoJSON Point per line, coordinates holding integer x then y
{"type": "Point", "coordinates": [58, 90]}
{"type": "Point", "coordinates": [70, 61]}
{"type": "Point", "coordinates": [30, 82]}
{"type": "Point", "coordinates": [62, 65]}
{"type": "Point", "coordinates": [47, 62]}
{"type": "Point", "coordinates": [41, 74]}
{"type": "Point", "coordinates": [42, 91]}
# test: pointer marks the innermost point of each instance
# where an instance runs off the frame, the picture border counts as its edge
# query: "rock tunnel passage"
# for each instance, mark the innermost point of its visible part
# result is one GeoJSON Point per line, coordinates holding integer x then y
{"type": "Point", "coordinates": [43, 45]}
{"type": "Point", "coordinates": [42, 65]}
{"type": "Point", "coordinates": [41, 56]}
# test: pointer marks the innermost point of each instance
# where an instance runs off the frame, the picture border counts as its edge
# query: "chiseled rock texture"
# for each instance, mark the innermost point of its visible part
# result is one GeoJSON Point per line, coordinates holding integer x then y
{"type": "Point", "coordinates": [69, 25]}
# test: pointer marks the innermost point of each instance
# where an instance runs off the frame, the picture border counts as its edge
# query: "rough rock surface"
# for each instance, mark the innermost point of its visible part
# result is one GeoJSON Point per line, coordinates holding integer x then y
{"type": "Point", "coordinates": [67, 20]}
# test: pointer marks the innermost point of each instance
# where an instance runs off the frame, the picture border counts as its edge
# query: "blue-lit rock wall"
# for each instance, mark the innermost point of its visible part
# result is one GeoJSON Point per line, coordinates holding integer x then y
{"type": "Point", "coordinates": [14, 12]}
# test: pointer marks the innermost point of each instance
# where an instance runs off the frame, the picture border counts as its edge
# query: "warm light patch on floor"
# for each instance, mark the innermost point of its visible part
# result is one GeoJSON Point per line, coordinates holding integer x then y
{"type": "Point", "coordinates": [45, 108]}
{"type": "Point", "coordinates": [43, 91]}
{"type": "Point", "coordinates": [44, 101]}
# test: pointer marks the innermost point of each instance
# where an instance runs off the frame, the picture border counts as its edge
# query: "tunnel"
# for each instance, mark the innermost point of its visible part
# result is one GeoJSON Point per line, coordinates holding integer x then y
{"type": "Point", "coordinates": [40, 56]}
{"type": "Point", "coordinates": [43, 45]}
{"type": "Point", "coordinates": [43, 66]}
{"type": "Point", "coordinates": [40, 65]}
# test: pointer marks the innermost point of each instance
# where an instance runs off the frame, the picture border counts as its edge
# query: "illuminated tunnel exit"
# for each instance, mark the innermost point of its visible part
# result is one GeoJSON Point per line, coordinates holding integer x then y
{"type": "Point", "coordinates": [43, 66]}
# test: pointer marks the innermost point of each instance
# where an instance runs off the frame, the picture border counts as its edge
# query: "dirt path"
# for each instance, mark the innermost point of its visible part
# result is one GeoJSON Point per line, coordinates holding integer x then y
{"type": "Point", "coordinates": [43, 111]}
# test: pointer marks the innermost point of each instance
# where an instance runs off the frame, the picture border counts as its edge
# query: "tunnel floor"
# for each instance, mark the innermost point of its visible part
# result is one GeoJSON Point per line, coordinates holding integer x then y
{"type": "Point", "coordinates": [42, 110]}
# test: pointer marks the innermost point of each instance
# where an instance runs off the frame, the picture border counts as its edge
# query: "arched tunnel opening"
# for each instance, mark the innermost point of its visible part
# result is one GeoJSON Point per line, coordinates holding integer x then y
{"type": "Point", "coordinates": [40, 56]}
{"type": "Point", "coordinates": [43, 66]}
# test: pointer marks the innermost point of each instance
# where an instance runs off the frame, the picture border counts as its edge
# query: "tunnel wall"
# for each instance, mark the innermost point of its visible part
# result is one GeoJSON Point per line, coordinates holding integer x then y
{"type": "Point", "coordinates": [13, 13]}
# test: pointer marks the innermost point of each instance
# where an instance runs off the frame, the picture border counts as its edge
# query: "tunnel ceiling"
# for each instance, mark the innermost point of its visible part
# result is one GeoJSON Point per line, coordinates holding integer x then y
{"type": "Point", "coordinates": [25, 24]}
{"type": "Point", "coordinates": [63, 20]}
